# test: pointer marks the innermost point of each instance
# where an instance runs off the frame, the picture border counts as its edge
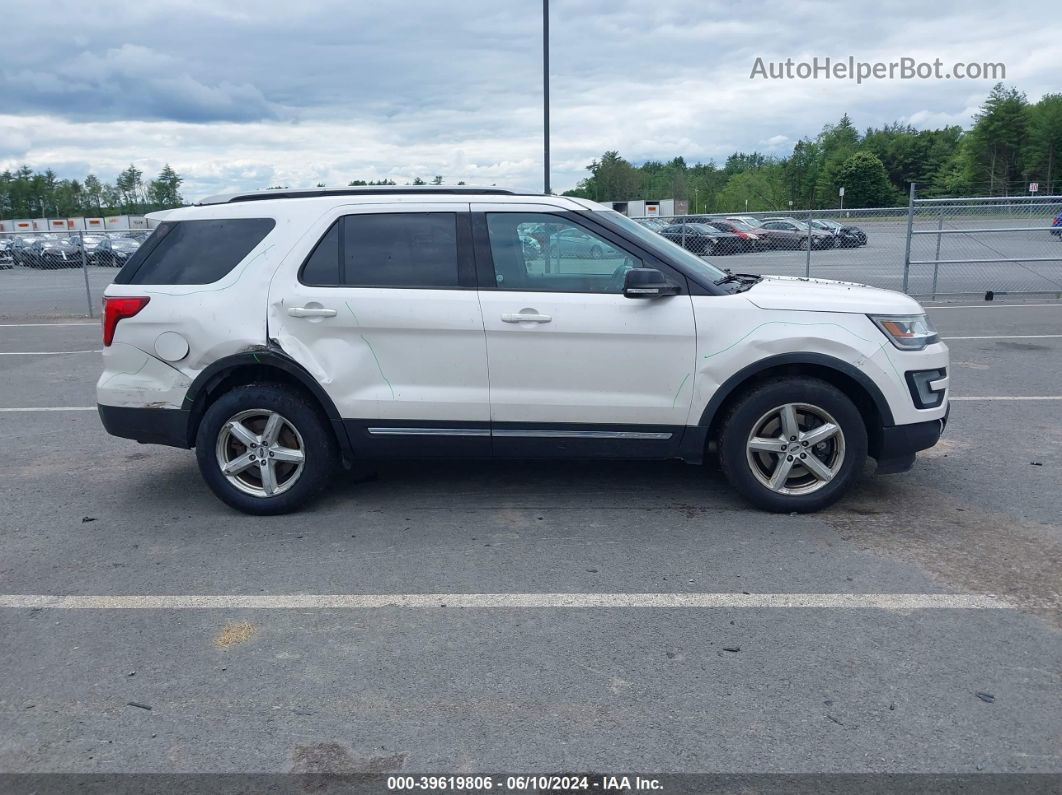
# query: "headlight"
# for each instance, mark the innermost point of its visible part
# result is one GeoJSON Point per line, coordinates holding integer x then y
{"type": "Point", "coordinates": [907, 332]}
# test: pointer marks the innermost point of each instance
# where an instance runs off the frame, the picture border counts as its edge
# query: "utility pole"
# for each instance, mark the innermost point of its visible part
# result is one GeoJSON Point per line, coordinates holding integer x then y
{"type": "Point", "coordinates": [545, 96]}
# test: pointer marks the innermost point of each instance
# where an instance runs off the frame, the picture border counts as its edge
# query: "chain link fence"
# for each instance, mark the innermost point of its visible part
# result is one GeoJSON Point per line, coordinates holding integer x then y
{"type": "Point", "coordinates": [933, 248]}
{"type": "Point", "coordinates": [60, 273]}
{"type": "Point", "coordinates": [1004, 245]}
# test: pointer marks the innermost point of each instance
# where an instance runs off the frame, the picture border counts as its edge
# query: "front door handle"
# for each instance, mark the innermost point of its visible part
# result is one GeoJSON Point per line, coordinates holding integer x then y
{"type": "Point", "coordinates": [525, 317]}
{"type": "Point", "coordinates": [310, 311]}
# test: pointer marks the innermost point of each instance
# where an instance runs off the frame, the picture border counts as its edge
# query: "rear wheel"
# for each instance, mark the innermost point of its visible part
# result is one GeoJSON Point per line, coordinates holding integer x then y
{"type": "Point", "coordinates": [265, 449]}
{"type": "Point", "coordinates": [793, 444]}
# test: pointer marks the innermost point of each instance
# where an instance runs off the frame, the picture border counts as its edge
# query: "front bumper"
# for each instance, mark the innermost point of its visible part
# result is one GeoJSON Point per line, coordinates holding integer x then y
{"type": "Point", "coordinates": [896, 445]}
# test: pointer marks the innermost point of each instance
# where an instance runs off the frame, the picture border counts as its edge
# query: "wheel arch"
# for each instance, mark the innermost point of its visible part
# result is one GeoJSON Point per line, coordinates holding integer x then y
{"type": "Point", "coordinates": [258, 366]}
{"type": "Point", "coordinates": [857, 385]}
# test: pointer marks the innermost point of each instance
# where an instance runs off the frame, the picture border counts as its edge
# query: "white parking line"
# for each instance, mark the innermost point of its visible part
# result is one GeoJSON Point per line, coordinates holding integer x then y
{"type": "Point", "coordinates": [991, 306]}
{"type": "Point", "coordinates": [874, 601]}
{"type": "Point", "coordinates": [42, 325]}
{"type": "Point", "coordinates": [50, 408]}
{"type": "Point", "coordinates": [45, 353]}
{"type": "Point", "coordinates": [1011, 397]}
{"type": "Point", "coordinates": [1009, 337]}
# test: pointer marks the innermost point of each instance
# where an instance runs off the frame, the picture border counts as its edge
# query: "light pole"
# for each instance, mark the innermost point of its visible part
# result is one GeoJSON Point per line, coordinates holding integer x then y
{"type": "Point", "coordinates": [545, 96]}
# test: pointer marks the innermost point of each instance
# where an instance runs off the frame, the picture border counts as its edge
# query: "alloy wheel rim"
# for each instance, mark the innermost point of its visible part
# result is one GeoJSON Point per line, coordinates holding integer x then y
{"type": "Point", "coordinates": [795, 448]}
{"type": "Point", "coordinates": [260, 452]}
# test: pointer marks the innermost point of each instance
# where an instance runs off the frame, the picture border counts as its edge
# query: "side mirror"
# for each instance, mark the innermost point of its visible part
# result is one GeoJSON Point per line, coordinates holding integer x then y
{"type": "Point", "coordinates": [647, 283]}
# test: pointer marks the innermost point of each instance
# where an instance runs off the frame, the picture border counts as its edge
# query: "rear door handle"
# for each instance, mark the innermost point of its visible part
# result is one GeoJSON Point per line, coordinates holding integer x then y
{"type": "Point", "coordinates": [525, 317]}
{"type": "Point", "coordinates": [309, 311]}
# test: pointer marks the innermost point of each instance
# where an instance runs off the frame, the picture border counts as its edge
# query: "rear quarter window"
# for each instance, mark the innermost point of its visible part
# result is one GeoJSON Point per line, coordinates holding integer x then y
{"type": "Point", "coordinates": [194, 252]}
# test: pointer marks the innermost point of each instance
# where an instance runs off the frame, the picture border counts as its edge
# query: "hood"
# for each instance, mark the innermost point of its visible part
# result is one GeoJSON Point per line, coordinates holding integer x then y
{"type": "Point", "coordinates": [825, 295]}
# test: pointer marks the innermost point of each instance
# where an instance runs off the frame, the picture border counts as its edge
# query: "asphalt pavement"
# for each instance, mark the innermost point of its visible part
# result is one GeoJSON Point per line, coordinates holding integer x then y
{"type": "Point", "coordinates": [467, 687]}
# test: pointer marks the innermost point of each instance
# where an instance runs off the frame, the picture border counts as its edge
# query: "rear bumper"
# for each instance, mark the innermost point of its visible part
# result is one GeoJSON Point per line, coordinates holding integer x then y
{"type": "Point", "coordinates": [896, 447]}
{"type": "Point", "coordinates": [147, 425]}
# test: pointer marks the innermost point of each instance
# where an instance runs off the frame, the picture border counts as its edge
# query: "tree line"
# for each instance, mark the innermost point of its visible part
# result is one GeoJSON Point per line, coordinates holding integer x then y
{"type": "Point", "coordinates": [1012, 143]}
{"type": "Point", "coordinates": [25, 193]}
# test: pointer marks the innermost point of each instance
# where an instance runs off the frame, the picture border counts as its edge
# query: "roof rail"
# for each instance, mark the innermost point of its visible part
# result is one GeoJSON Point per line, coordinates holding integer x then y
{"type": "Point", "coordinates": [355, 190]}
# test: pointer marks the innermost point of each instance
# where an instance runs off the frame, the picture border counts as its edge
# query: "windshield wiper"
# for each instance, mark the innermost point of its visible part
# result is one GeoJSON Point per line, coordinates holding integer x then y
{"type": "Point", "coordinates": [743, 278]}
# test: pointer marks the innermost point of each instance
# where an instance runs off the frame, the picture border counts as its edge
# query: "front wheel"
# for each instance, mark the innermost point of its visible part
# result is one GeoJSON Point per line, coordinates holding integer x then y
{"type": "Point", "coordinates": [793, 444]}
{"type": "Point", "coordinates": [265, 449]}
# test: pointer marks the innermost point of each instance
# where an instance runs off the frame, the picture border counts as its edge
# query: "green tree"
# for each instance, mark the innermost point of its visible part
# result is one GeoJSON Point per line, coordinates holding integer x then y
{"type": "Point", "coordinates": [1043, 145]}
{"type": "Point", "coordinates": [801, 172]}
{"type": "Point", "coordinates": [130, 187]}
{"type": "Point", "coordinates": [755, 190]}
{"type": "Point", "coordinates": [864, 181]}
{"type": "Point", "coordinates": [997, 140]}
{"type": "Point", "coordinates": [164, 190]}
{"type": "Point", "coordinates": [611, 179]}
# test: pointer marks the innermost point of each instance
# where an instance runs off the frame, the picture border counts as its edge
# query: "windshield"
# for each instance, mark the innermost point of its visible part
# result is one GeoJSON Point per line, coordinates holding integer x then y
{"type": "Point", "coordinates": [661, 245]}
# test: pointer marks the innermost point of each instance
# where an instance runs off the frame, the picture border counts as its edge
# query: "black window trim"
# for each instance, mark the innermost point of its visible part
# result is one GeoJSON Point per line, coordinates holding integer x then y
{"type": "Point", "coordinates": [466, 267]}
{"type": "Point", "coordinates": [485, 257]}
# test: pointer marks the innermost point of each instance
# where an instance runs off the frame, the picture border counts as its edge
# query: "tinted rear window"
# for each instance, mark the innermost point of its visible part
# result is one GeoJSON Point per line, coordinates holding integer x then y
{"type": "Point", "coordinates": [194, 252]}
{"type": "Point", "coordinates": [400, 250]}
{"type": "Point", "coordinates": [386, 250]}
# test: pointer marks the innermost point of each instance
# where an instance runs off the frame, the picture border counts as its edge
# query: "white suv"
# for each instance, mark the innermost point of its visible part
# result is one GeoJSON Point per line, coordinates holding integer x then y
{"type": "Point", "coordinates": [281, 333]}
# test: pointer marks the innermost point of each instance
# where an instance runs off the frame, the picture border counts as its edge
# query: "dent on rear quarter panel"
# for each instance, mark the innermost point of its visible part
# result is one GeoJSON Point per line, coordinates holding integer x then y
{"type": "Point", "coordinates": [217, 320]}
{"type": "Point", "coordinates": [136, 379]}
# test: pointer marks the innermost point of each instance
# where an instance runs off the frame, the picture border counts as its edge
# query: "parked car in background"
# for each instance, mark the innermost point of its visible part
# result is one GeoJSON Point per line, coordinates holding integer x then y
{"type": "Point", "coordinates": [791, 233]}
{"type": "Point", "coordinates": [56, 251]}
{"type": "Point", "coordinates": [751, 240]}
{"type": "Point", "coordinates": [844, 236]}
{"type": "Point", "coordinates": [704, 239]}
{"type": "Point", "coordinates": [116, 250]}
{"type": "Point", "coordinates": [1057, 224]}
{"type": "Point", "coordinates": [23, 251]}
{"type": "Point", "coordinates": [90, 243]}
{"type": "Point", "coordinates": [569, 242]}
{"type": "Point", "coordinates": [6, 260]}
{"type": "Point", "coordinates": [655, 224]}
{"type": "Point", "coordinates": [747, 220]}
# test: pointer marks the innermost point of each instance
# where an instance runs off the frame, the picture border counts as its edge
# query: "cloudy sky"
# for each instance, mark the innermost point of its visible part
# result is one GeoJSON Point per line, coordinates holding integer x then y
{"type": "Point", "coordinates": [239, 95]}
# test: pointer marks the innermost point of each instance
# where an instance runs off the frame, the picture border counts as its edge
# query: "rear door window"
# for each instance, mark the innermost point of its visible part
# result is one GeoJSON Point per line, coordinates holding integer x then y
{"type": "Point", "coordinates": [194, 252]}
{"type": "Point", "coordinates": [401, 250]}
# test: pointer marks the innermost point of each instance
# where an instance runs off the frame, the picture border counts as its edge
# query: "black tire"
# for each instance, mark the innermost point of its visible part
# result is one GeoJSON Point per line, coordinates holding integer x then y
{"type": "Point", "coordinates": [318, 442]}
{"type": "Point", "coordinates": [742, 417]}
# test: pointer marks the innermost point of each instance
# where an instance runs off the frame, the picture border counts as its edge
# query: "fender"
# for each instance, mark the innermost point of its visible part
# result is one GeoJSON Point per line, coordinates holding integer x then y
{"type": "Point", "coordinates": [270, 356]}
{"type": "Point", "coordinates": [818, 359]}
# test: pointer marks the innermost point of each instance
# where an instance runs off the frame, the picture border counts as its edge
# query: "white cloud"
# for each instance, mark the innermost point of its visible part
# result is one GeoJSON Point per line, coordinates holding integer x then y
{"type": "Point", "coordinates": [237, 96]}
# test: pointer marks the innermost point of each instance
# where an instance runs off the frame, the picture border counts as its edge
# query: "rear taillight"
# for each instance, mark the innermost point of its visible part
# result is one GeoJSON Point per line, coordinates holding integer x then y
{"type": "Point", "coordinates": [117, 307]}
